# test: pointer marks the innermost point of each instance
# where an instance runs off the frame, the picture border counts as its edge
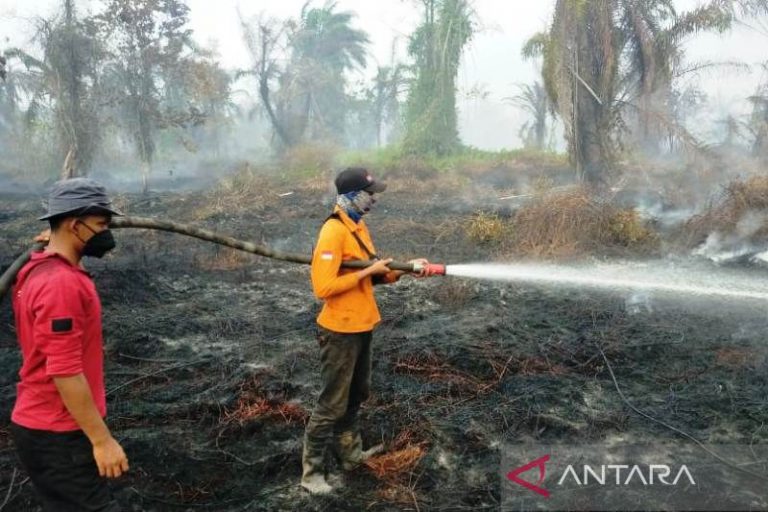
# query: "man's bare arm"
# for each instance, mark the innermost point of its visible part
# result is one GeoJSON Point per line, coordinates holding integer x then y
{"type": "Point", "coordinates": [76, 395]}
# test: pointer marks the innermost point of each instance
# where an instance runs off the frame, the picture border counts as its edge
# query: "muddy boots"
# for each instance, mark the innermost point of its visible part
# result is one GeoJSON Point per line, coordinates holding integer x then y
{"type": "Point", "coordinates": [349, 453]}
{"type": "Point", "coordinates": [345, 368]}
{"type": "Point", "coordinates": [313, 466]}
{"type": "Point", "coordinates": [349, 450]}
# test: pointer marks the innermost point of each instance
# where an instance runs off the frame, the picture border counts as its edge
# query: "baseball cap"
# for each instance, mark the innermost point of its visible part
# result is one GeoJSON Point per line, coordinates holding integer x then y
{"type": "Point", "coordinates": [352, 179]}
{"type": "Point", "coordinates": [75, 194]}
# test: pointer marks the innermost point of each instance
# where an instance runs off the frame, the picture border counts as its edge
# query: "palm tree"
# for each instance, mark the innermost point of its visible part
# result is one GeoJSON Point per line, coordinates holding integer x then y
{"type": "Point", "coordinates": [324, 47]}
{"type": "Point", "coordinates": [327, 37]}
{"type": "Point", "coordinates": [65, 78]}
{"type": "Point", "coordinates": [581, 74]}
{"type": "Point", "coordinates": [758, 123]}
{"type": "Point", "coordinates": [605, 61]}
{"type": "Point", "coordinates": [534, 100]}
{"type": "Point", "coordinates": [10, 106]}
{"type": "Point", "coordinates": [263, 38]}
{"type": "Point", "coordinates": [436, 47]}
{"type": "Point", "coordinates": [732, 129]}
{"type": "Point", "coordinates": [384, 96]}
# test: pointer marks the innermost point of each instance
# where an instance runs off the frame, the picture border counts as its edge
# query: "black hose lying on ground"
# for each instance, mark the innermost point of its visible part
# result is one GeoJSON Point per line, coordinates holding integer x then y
{"type": "Point", "coordinates": [6, 280]}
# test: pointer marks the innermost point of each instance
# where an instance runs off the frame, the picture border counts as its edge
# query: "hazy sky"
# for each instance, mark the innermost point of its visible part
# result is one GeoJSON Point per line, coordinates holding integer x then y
{"type": "Point", "coordinates": [492, 62]}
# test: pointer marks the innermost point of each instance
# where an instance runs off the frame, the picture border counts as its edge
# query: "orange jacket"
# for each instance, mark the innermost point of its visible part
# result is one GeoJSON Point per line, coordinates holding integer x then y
{"type": "Point", "coordinates": [350, 306]}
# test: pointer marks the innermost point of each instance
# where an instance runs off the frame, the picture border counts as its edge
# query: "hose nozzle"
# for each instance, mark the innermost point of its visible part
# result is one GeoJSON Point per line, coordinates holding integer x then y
{"type": "Point", "coordinates": [430, 269]}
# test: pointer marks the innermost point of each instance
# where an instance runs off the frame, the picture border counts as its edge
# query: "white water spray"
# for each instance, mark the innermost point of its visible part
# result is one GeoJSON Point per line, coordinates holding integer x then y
{"type": "Point", "coordinates": [659, 277]}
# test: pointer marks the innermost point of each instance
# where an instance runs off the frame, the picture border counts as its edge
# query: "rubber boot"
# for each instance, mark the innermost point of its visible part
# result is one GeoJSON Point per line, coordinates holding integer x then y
{"type": "Point", "coordinates": [349, 449]}
{"type": "Point", "coordinates": [313, 468]}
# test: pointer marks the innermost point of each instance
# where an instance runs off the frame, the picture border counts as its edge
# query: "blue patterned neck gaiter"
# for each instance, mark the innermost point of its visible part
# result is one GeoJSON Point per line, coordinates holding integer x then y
{"type": "Point", "coordinates": [355, 204]}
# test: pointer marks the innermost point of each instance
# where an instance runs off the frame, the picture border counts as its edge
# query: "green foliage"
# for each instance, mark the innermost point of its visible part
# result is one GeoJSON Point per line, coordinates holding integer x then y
{"type": "Point", "coordinates": [62, 84]}
{"type": "Point", "coordinates": [148, 38]}
{"type": "Point", "coordinates": [308, 160]}
{"type": "Point", "coordinates": [534, 100]}
{"type": "Point", "coordinates": [304, 91]}
{"type": "Point", "coordinates": [376, 107]}
{"type": "Point", "coordinates": [323, 49]}
{"type": "Point", "coordinates": [392, 159]}
{"type": "Point", "coordinates": [607, 64]}
{"type": "Point", "coordinates": [129, 72]}
{"type": "Point", "coordinates": [326, 36]}
{"type": "Point", "coordinates": [436, 47]}
{"type": "Point", "coordinates": [535, 46]}
{"type": "Point", "coordinates": [155, 78]}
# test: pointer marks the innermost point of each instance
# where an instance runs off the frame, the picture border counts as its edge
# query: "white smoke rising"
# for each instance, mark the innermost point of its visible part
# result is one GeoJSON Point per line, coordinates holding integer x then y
{"type": "Point", "coordinates": [722, 248]}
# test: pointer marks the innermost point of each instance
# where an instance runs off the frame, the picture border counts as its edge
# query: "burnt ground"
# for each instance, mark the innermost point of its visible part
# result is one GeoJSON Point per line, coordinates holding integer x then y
{"type": "Point", "coordinates": [212, 367]}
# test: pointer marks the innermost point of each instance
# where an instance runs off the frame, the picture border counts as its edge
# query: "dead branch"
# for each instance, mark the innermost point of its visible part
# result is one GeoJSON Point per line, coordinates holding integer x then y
{"type": "Point", "coordinates": [158, 372]}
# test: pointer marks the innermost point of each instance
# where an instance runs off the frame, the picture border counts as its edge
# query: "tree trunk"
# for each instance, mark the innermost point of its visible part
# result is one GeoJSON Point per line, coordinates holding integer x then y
{"type": "Point", "coordinates": [280, 130]}
{"type": "Point", "coordinates": [146, 167]}
{"type": "Point", "coordinates": [69, 168]}
{"type": "Point", "coordinates": [595, 75]}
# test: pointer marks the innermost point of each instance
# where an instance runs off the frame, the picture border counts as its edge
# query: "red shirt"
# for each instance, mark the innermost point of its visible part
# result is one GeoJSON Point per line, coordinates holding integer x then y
{"type": "Point", "coordinates": [58, 325]}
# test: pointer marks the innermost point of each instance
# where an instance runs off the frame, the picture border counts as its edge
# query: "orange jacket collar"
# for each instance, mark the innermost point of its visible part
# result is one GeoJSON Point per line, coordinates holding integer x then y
{"type": "Point", "coordinates": [351, 225]}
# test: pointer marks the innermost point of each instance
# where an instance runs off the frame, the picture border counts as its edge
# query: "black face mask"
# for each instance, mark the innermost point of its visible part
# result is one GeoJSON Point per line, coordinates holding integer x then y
{"type": "Point", "coordinates": [99, 244]}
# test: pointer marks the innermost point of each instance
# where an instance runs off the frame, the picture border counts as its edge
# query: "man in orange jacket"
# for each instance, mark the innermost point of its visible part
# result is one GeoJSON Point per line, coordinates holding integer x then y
{"type": "Point", "coordinates": [345, 327]}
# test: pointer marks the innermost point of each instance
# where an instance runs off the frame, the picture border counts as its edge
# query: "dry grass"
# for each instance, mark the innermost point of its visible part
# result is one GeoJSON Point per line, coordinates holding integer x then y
{"type": "Point", "coordinates": [309, 160]}
{"type": "Point", "coordinates": [738, 200]}
{"type": "Point", "coordinates": [226, 259]}
{"type": "Point", "coordinates": [420, 180]}
{"type": "Point", "coordinates": [252, 405]}
{"type": "Point", "coordinates": [542, 184]}
{"type": "Point", "coordinates": [627, 227]}
{"type": "Point", "coordinates": [248, 189]}
{"type": "Point", "coordinates": [191, 494]}
{"type": "Point", "coordinates": [573, 223]}
{"type": "Point", "coordinates": [409, 167]}
{"type": "Point", "coordinates": [398, 493]}
{"type": "Point", "coordinates": [538, 366]}
{"type": "Point", "coordinates": [430, 367]}
{"type": "Point", "coordinates": [248, 410]}
{"type": "Point", "coordinates": [485, 227]}
{"type": "Point", "coordinates": [400, 460]}
{"type": "Point", "coordinates": [408, 230]}
{"type": "Point", "coordinates": [392, 465]}
{"type": "Point", "coordinates": [738, 358]}
{"type": "Point", "coordinates": [454, 293]}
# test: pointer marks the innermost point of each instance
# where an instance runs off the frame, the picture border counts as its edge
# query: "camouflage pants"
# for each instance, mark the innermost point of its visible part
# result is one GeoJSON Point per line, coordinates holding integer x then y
{"type": "Point", "coordinates": [345, 362]}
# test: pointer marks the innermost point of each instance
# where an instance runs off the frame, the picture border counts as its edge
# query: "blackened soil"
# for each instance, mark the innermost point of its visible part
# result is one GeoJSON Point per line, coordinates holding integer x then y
{"type": "Point", "coordinates": [212, 366]}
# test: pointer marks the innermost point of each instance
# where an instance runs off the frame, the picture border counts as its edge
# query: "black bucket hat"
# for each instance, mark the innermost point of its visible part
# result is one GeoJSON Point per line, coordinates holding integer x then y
{"type": "Point", "coordinates": [353, 179]}
{"type": "Point", "coordinates": [78, 195]}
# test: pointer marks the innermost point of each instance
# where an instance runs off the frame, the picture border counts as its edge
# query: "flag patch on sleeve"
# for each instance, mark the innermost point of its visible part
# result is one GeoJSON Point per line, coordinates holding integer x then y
{"type": "Point", "coordinates": [61, 325]}
{"type": "Point", "coordinates": [326, 255]}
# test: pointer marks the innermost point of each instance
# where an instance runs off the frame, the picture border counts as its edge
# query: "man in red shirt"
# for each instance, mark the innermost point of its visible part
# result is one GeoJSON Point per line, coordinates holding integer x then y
{"type": "Point", "coordinates": [57, 422]}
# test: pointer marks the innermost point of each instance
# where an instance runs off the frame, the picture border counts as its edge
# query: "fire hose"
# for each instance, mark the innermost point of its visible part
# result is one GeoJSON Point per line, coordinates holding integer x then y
{"type": "Point", "coordinates": [8, 277]}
